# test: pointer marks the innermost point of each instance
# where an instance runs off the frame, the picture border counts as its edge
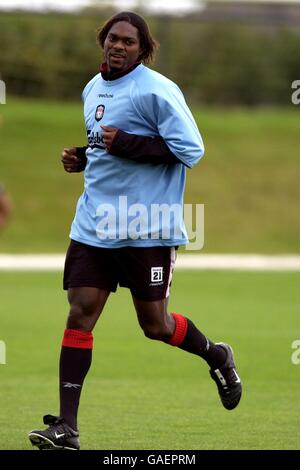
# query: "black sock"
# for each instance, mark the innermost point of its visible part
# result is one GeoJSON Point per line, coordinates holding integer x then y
{"type": "Point", "coordinates": [75, 361]}
{"type": "Point", "coordinates": [196, 342]}
{"type": "Point", "coordinates": [73, 367]}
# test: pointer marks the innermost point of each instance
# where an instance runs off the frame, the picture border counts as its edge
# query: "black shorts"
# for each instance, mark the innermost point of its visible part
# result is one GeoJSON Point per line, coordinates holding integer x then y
{"type": "Point", "coordinates": [147, 272]}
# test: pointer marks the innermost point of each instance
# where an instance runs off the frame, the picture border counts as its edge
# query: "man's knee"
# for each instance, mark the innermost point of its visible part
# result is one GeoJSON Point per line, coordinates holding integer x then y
{"type": "Point", "coordinates": [85, 307]}
{"type": "Point", "coordinates": [81, 317]}
{"type": "Point", "coordinates": [157, 332]}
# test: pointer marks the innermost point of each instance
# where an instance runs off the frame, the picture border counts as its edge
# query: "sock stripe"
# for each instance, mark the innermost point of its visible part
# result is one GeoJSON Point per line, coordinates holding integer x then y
{"type": "Point", "coordinates": [78, 339]}
{"type": "Point", "coordinates": [180, 331]}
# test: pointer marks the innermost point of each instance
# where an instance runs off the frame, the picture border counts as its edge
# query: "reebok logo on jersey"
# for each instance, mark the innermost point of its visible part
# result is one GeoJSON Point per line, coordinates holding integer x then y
{"type": "Point", "coordinates": [105, 95]}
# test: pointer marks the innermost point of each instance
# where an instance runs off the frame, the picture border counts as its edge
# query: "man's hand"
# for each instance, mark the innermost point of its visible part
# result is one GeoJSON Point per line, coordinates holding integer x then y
{"type": "Point", "coordinates": [70, 161]}
{"type": "Point", "coordinates": [108, 135]}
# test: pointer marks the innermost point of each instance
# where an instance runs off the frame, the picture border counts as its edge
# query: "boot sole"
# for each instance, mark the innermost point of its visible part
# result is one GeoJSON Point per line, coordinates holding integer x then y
{"type": "Point", "coordinates": [43, 443]}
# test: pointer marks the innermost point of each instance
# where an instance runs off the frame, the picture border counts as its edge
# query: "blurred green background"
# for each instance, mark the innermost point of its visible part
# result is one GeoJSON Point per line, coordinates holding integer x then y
{"type": "Point", "coordinates": [236, 68]}
{"type": "Point", "coordinates": [236, 77]}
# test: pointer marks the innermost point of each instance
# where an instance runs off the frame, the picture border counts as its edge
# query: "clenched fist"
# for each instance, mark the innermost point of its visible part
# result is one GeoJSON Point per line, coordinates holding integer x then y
{"type": "Point", "coordinates": [74, 159]}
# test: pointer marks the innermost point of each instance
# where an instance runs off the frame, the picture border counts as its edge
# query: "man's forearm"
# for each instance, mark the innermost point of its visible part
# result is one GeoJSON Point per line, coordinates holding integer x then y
{"type": "Point", "coordinates": [139, 148]}
{"type": "Point", "coordinates": [142, 148]}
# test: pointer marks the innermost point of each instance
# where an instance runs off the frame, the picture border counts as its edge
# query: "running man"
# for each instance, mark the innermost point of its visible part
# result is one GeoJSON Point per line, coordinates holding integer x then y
{"type": "Point", "coordinates": [141, 138]}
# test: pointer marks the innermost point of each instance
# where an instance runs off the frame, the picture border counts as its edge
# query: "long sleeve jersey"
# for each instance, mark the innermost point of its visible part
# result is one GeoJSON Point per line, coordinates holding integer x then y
{"type": "Point", "coordinates": [127, 202]}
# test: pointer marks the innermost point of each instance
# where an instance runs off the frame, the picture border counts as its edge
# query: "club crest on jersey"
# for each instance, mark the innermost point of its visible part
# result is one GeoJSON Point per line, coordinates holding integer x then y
{"type": "Point", "coordinates": [99, 112]}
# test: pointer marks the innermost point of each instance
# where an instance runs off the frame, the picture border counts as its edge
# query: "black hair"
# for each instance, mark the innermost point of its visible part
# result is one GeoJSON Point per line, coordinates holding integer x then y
{"type": "Point", "coordinates": [148, 44]}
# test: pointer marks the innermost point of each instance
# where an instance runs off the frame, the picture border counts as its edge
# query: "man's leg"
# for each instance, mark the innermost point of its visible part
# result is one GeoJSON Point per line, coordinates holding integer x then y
{"type": "Point", "coordinates": [89, 279]}
{"type": "Point", "coordinates": [86, 305]}
{"type": "Point", "coordinates": [177, 330]}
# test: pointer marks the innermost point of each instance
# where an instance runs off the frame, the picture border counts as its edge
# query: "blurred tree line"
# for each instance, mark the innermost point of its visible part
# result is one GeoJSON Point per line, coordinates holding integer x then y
{"type": "Point", "coordinates": [54, 55]}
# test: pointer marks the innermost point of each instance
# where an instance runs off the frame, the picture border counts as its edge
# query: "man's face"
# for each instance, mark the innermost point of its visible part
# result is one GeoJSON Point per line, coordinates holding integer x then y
{"type": "Point", "coordinates": [122, 46]}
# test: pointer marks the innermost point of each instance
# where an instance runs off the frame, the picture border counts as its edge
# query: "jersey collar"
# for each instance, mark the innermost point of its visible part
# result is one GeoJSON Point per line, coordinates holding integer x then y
{"type": "Point", "coordinates": [108, 76]}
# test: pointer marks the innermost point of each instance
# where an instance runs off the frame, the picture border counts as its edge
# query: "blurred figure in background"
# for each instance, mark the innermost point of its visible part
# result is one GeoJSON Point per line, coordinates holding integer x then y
{"type": "Point", "coordinates": [5, 206]}
{"type": "Point", "coordinates": [5, 201]}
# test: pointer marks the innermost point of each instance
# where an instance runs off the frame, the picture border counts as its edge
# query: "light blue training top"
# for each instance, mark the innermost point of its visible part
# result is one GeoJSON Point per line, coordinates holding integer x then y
{"type": "Point", "coordinates": [126, 202]}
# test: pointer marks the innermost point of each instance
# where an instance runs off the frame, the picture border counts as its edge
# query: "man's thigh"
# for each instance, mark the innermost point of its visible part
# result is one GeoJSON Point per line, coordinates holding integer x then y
{"type": "Point", "coordinates": [88, 266]}
{"type": "Point", "coordinates": [147, 272]}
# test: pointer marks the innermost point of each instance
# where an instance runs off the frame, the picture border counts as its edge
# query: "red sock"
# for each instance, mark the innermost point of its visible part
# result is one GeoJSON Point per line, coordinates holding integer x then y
{"type": "Point", "coordinates": [78, 339]}
{"type": "Point", "coordinates": [180, 331]}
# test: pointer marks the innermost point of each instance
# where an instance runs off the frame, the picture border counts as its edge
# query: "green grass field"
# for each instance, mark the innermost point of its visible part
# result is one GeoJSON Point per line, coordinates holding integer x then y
{"type": "Point", "coordinates": [145, 395]}
{"type": "Point", "coordinates": [248, 180]}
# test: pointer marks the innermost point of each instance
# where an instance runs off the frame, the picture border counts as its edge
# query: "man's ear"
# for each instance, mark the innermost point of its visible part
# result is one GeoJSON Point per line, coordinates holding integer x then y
{"type": "Point", "coordinates": [141, 54]}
